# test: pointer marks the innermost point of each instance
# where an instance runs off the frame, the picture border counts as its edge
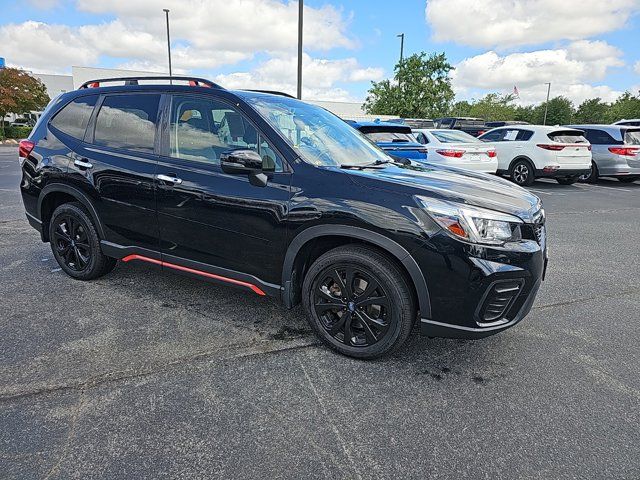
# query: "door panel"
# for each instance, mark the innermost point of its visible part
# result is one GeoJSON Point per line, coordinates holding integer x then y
{"type": "Point", "coordinates": [120, 163]}
{"type": "Point", "coordinates": [212, 217]}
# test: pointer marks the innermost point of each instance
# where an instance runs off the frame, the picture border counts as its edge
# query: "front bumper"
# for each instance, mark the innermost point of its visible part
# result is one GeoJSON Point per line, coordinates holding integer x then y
{"type": "Point", "coordinates": [467, 282]}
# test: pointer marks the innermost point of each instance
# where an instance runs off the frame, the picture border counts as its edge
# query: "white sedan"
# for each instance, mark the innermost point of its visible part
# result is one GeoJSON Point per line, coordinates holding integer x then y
{"type": "Point", "coordinates": [457, 149]}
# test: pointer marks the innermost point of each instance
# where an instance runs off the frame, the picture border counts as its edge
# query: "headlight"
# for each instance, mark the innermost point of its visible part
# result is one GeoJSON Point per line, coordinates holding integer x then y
{"type": "Point", "coordinates": [473, 224]}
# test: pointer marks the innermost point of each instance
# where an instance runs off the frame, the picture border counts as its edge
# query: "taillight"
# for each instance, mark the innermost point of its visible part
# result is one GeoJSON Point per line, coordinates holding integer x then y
{"type": "Point", "coordinates": [25, 147]}
{"type": "Point", "coordinates": [451, 153]}
{"type": "Point", "coordinates": [94, 85]}
{"type": "Point", "coordinates": [492, 153]}
{"type": "Point", "coordinates": [626, 151]}
{"type": "Point", "coordinates": [546, 146]}
{"type": "Point", "coordinates": [480, 133]}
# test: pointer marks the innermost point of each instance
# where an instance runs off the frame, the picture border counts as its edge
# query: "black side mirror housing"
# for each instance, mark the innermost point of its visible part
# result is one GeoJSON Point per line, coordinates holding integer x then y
{"type": "Point", "coordinates": [241, 162]}
{"type": "Point", "coordinates": [244, 162]}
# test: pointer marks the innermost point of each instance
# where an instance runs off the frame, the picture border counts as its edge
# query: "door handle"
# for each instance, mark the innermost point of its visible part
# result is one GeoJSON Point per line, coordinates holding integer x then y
{"type": "Point", "coordinates": [82, 163]}
{"type": "Point", "coordinates": [169, 179]}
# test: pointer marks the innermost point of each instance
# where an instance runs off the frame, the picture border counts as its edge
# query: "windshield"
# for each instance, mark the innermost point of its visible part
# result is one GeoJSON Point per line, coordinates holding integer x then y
{"type": "Point", "coordinates": [389, 137]}
{"type": "Point", "coordinates": [319, 137]}
{"type": "Point", "coordinates": [454, 136]}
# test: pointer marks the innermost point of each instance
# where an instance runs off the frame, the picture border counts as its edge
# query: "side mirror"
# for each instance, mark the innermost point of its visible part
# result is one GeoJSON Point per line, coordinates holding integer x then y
{"type": "Point", "coordinates": [242, 161]}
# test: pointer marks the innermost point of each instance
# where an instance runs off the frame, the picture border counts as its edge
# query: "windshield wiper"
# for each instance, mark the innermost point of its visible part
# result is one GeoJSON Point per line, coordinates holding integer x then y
{"type": "Point", "coordinates": [375, 165]}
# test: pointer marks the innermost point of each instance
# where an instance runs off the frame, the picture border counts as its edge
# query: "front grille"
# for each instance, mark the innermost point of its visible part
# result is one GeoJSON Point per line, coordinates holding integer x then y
{"type": "Point", "coordinates": [539, 232]}
{"type": "Point", "coordinates": [498, 299]}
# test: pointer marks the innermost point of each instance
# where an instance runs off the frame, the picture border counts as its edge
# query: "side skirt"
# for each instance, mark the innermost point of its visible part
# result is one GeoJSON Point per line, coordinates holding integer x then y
{"type": "Point", "coordinates": [189, 267]}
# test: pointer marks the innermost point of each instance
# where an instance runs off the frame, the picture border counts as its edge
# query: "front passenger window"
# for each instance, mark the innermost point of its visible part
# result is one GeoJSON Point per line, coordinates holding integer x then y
{"type": "Point", "coordinates": [202, 129]}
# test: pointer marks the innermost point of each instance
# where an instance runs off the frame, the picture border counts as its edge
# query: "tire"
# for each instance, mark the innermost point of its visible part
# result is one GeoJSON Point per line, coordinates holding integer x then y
{"type": "Point", "coordinates": [377, 329]}
{"type": "Point", "coordinates": [75, 243]}
{"type": "Point", "coordinates": [593, 175]}
{"type": "Point", "coordinates": [522, 173]}
{"type": "Point", "coordinates": [628, 179]}
{"type": "Point", "coordinates": [567, 180]}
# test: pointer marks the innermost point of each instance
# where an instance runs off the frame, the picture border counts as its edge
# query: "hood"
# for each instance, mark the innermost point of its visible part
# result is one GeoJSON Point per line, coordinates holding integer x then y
{"type": "Point", "coordinates": [453, 184]}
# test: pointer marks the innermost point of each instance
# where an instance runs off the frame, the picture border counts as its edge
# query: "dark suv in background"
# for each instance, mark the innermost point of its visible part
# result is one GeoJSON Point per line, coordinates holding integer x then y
{"type": "Point", "coordinates": [472, 126]}
{"type": "Point", "coordinates": [278, 197]}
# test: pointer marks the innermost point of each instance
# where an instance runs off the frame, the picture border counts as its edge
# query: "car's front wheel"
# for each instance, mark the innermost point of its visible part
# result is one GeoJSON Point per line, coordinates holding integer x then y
{"type": "Point", "coordinates": [522, 173]}
{"type": "Point", "coordinates": [75, 243]}
{"type": "Point", "coordinates": [359, 302]}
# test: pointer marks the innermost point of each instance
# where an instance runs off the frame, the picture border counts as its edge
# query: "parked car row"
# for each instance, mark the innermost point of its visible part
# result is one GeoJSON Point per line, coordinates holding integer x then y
{"type": "Point", "coordinates": [520, 151]}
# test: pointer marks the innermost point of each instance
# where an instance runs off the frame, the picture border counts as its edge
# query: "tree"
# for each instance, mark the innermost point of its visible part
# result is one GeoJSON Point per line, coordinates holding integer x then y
{"type": "Point", "coordinates": [626, 106]}
{"type": "Point", "coordinates": [592, 110]}
{"type": "Point", "coordinates": [20, 93]}
{"type": "Point", "coordinates": [560, 112]}
{"type": "Point", "coordinates": [421, 88]}
{"type": "Point", "coordinates": [493, 106]}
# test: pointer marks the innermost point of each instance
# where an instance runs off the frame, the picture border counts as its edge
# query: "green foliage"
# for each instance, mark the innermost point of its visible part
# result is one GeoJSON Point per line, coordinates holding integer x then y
{"type": "Point", "coordinates": [15, 132]}
{"type": "Point", "coordinates": [421, 88]}
{"type": "Point", "coordinates": [20, 92]}
{"type": "Point", "coordinates": [560, 112]}
{"type": "Point", "coordinates": [592, 110]}
{"type": "Point", "coordinates": [626, 106]}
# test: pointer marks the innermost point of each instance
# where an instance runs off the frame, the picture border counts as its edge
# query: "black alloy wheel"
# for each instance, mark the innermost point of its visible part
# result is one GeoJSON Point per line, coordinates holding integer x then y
{"type": "Point", "coordinates": [71, 242]}
{"type": "Point", "coordinates": [75, 243]}
{"type": "Point", "coordinates": [352, 306]}
{"type": "Point", "coordinates": [359, 301]}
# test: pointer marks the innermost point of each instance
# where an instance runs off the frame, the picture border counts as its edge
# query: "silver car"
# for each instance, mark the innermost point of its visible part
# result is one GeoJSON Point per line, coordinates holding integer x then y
{"type": "Point", "coordinates": [615, 150]}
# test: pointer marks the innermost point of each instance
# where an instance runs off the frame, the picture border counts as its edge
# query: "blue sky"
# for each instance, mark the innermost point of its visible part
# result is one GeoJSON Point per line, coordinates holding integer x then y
{"type": "Point", "coordinates": [585, 48]}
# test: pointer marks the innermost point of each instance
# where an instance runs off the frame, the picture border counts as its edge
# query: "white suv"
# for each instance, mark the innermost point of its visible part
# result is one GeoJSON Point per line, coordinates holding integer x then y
{"type": "Point", "coordinates": [532, 151]}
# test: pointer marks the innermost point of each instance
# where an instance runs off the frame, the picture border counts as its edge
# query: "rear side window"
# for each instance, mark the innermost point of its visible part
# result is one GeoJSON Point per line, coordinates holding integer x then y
{"type": "Point", "coordinates": [127, 121]}
{"type": "Point", "coordinates": [74, 118]}
{"type": "Point", "coordinates": [494, 136]}
{"type": "Point", "coordinates": [524, 135]}
{"type": "Point", "coordinates": [599, 137]}
{"type": "Point", "coordinates": [567, 137]}
{"type": "Point", "coordinates": [632, 137]}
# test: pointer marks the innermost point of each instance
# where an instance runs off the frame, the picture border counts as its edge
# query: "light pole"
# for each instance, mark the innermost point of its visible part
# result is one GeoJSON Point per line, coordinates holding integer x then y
{"type": "Point", "coordinates": [166, 11]}
{"type": "Point", "coordinates": [546, 105]}
{"type": "Point", "coordinates": [401, 45]}
{"type": "Point", "coordinates": [300, 10]}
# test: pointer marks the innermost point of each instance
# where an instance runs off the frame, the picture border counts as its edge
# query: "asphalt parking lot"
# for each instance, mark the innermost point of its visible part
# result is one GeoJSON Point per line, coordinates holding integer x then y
{"type": "Point", "coordinates": [143, 374]}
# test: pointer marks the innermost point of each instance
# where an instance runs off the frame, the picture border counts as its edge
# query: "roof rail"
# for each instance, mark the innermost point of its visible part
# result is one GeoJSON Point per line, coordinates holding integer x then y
{"type": "Point", "coordinates": [272, 92]}
{"type": "Point", "coordinates": [193, 81]}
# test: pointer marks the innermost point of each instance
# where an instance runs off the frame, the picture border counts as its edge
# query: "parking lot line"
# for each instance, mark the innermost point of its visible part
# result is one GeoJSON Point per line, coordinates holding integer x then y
{"type": "Point", "coordinates": [547, 193]}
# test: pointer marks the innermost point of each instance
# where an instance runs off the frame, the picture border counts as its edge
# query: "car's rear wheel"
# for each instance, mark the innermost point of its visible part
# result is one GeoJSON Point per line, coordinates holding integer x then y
{"type": "Point", "coordinates": [75, 243]}
{"type": "Point", "coordinates": [592, 176]}
{"type": "Point", "coordinates": [359, 302]}
{"type": "Point", "coordinates": [628, 179]}
{"type": "Point", "coordinates": [522, 173]}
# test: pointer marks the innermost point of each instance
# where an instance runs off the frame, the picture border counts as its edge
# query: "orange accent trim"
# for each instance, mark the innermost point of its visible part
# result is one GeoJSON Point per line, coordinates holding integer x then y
{"type": "Point", "coordinates": [257, 290]}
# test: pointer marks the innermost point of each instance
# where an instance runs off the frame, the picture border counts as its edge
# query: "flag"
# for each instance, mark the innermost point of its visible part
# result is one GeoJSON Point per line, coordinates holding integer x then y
{"type": "Point", "coordinates": [515, 91]}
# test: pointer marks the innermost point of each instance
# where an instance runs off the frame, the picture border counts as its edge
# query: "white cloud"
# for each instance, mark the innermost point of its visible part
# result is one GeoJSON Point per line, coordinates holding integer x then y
{"type": "Point", "coordinates": [205, 34]}
{"type": "Point", "coordinates": [637, 67]}
{"type": "Point", "coordinates": [571, 70]}
{"type": "Point", "coordinates": [508, 23]}
{"type": "Point", "coordinates": [319, 76]}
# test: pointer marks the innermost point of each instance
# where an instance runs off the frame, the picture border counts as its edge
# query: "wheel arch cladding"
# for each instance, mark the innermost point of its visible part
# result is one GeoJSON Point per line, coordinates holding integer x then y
{"type": "Point", "coordinates": [56, 194]}
{"type": "Point", "coordinates": [526, 159]}
{"type": "Point", "coordinates": [348, 233]}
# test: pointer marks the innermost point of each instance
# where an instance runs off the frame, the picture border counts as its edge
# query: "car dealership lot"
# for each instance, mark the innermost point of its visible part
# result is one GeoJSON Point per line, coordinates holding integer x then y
{"type": "Point", "coordinates": [140, 375]}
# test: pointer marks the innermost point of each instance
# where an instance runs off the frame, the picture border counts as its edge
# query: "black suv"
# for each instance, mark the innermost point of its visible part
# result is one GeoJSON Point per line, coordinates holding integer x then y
{"type": "Point", "coordinates": [278, 197]}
